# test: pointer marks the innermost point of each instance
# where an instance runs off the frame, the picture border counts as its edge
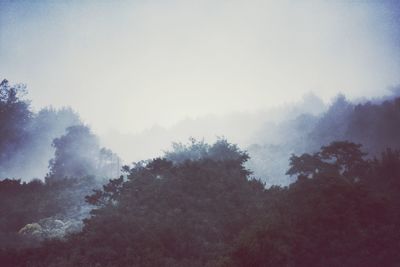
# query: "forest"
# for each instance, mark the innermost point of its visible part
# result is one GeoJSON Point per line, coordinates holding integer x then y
{"type": "Point", "coordinates": [66, 201]}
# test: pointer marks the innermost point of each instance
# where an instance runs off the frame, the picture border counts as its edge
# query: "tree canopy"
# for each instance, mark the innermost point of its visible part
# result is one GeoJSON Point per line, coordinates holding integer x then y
{"type": "Point", "coordinates": [207, 211]}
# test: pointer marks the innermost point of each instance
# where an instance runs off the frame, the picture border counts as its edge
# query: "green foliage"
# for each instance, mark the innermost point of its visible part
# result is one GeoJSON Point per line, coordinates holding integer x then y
{"type": "Point", "coordinates": [337, 159]}
{"type": "Point", "coordinates": [177, 211]}
{"type": "Point", "coordinates": [343, 210]}
{"type": "Point", "coordinates": [327, 217]}
{"type": "Point", "coordinates": [374, 125]}
{"type": "Point", "coordinates": [221, 150]}
{"type": "Point", "coordinates": [23, 203]}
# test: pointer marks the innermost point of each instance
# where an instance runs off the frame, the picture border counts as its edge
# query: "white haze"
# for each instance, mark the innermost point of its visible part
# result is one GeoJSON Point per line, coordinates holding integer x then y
{"type": "Point", "coordinates": [127, 66]}
{"type": "Point", "coordinates": [240, 128]}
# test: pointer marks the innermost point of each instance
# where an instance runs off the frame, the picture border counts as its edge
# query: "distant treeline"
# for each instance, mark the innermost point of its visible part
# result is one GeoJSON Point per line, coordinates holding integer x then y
{"type": "Point", "coordinates": [199, 204]}
{"type": "Point", "coordinates": [375, 125]}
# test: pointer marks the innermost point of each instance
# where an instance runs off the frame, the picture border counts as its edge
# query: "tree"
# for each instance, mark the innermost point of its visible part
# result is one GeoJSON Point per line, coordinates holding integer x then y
{"type": "Point", "coordinates": [206, 212]}
{"type": "Point", "coordinates": [75, 154]}
{"type": "Point", "coordinates": [78, 154]}
{"type": "Point", "coordinates": [15, 117]}
{"type": "Point", "coordinates": [169, 214]}
{"type": "Point", "coordinates": [338, 159]}
{"type": "Point", "coordinates": [195, 150]}
{"type": "Point", "coordinates": [347, 157]}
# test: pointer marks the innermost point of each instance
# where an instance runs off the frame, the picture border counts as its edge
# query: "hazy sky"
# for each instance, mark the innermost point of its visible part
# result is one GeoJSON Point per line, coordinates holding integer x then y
{"type": "Point", "coordinates": [127, 65]}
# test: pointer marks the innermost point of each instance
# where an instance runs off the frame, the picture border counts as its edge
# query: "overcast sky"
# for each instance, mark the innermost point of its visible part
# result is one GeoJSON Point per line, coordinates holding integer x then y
{"type": "Point", "coordinates": [127, 65]}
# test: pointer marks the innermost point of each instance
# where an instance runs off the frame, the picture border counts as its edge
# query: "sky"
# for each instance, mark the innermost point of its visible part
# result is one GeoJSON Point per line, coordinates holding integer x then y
{"type": "Point", "coordinates": [128, 65]}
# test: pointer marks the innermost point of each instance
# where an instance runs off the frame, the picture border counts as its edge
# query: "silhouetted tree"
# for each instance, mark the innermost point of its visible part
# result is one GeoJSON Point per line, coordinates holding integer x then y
{"type": "Point", "coordinates": [15, 117]}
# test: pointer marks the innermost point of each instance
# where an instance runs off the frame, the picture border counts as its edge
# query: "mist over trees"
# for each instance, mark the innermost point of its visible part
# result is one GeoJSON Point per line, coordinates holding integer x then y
{"type": "Point", "coordinates": [78, 154]}
{"type": "Point", "coordinates": [26, 137]}
{"type": "Point", "coordinates": [375, 125]}
{"type": "Point", "coordinates": [52, 141]}
{"type": "Point", "coordinates": [242, 128]}
{"type": "Point", "coordinates": [271, 136]}
{"type": "Point", "coordinates": [15, 118]}
{"type": "Point", "coordinates": [34, 211]}
{"type": "Point", "coordinates": [342, 210]}
{"type": "Point", "coordinates": [209, 133]}
{"type": "Point", "coordinates": [319, 186]}
{"type": "Point", "coordinates": [63, 155]}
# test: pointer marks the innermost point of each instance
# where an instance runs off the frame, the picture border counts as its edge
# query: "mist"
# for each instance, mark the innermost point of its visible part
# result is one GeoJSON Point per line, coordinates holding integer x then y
{"type": "Point", "coordinates": [141, 64]}
{"type": "Point", "coordinates": [199, 133]}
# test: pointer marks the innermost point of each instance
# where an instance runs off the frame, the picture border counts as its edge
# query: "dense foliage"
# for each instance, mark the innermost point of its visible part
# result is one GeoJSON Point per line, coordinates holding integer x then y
{"type": "Point", "coordinates": [375, 125]}
{"type": "Point", "coordinates": [343, 210]}
{"type": "Point", "coordinates": [25, 203]}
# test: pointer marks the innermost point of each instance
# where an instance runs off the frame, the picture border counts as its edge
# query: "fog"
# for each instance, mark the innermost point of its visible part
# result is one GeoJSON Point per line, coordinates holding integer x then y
{"type": "Point", "coordinates": [199, 133]}
{"type": "Point", "coordinates": [242, 128]}
{"type": "Point", "coordinates": [127, 66]}
{"type": "Point", "coordinates": [270, 137]}
{"type": "Point", "coordinates": [142, 74]}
